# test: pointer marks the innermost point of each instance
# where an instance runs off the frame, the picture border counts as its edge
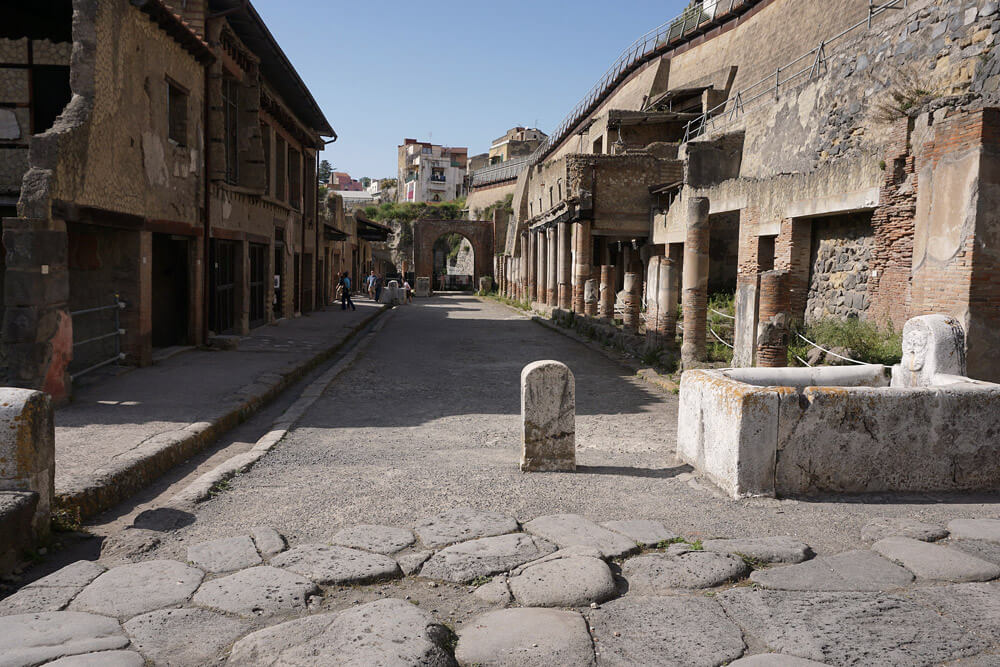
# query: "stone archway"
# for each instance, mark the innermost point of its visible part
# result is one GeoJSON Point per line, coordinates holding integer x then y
{"type": "Point", "coordinates": [478, 232]}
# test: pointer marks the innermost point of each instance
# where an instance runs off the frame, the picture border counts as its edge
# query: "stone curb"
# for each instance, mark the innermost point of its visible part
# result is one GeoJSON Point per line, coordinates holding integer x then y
{"type": "Point", "coordinates": [130, 474]}
{"type": "Point", "coordinates": [649, 375]}
{"type": "Point", "coordinates": [201, 489]}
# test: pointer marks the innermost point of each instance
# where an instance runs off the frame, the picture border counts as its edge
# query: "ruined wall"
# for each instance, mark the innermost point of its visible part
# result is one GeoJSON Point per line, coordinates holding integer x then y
{"type": "Point", "coordinates": [482, 197]}
{"type": "Point", "coordinates": [842, 248]}
{"type": "Point", "coordinates": [621, 197]}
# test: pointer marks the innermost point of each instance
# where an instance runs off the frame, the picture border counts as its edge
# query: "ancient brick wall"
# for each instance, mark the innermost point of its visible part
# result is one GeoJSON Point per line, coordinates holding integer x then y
{"type": "Point", "coordinates": [842, 250]}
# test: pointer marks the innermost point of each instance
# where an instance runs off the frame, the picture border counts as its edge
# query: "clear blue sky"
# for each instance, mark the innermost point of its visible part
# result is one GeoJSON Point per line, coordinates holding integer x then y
{"type": "Point", "coordinates": [462, 71]}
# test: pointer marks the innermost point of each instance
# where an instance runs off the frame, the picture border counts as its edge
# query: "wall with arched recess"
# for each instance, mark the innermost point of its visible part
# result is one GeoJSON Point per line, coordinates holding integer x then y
{"type": "Point", "coordinates": [478, 232]}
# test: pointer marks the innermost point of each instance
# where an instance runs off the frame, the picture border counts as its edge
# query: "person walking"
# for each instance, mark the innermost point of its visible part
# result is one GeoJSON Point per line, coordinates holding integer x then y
{"type": "Point", "coordinates": [345, 292]}
{"type": "Point", "coordinates": [408, 290]}
{"type": "Point", "coordinates": [378, 287]}
{"type": "Point", "coordinates": [370, 284]}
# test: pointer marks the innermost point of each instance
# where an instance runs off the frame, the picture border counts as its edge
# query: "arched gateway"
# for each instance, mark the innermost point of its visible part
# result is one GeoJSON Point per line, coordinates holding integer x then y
{"type": "Point", "coordinates": [478, 232]}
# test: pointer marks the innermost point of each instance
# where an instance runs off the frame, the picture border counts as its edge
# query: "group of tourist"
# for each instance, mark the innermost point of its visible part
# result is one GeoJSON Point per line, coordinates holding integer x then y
{"type": "Point", "coordinates": [373, 284]}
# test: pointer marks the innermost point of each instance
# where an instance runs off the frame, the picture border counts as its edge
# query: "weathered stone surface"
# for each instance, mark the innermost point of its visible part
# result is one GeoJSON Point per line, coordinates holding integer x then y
{"type": "Point", "coordinates": [564, 582]}
{"type": "Point", "coordinates": [568, 552]}
{"type": "Point", "coordinates": [461, 563]}
{"type": "Point", "coordinates": [269, 542]}
{"type": "Point", "coordinates": [384, 632]}
{"type": "Point", "coordinates": [847, 571]}
{"type": "Point", "coordinates": [224, 555]}
{"type": "Point", "coordinates": [849, 628]}
{"type": "Point", "coordinates": [934, 561]}
{"type": "Point", "coordinates": [660, 574]}
{"type": "Point", "coordinates": [779, 549]}
{"type": "Point", "coordinates": [527, 637]}
{"type": "Point", "coordinates": [461, 524]}
{"type": "Point", "coordinates": [644, 532]}
{"type": "Point", "coordinates": [32, 599]}
{"type": "Point", "coordinates": [337, 565]}
{"type": "Point", "coordinates": [876, 529]}
{"type": "Point", "coordinates": [130, 590]}
{"type": "Point", "coordinates": [664, 631]}
{"type": "Point", "coordinates": [975, 607]}
{"type": "Point", "coordinates": [975, 529]}
{"type": "Point", "coordinates": [568, 530]}
{"type": "Point", "coordinates": [774, 660]}
{"type": "Point", "coordinates": [77, 575]}
{"type": "Point", "coordinates": [183, 636]}
{"type": "Point", "coordinates": [101, 659]}
{"type": "Point", "coordinates": [412, 562]}
{"type": "Point", "coordinates": [31, 639]}
{"type": "Point", "coordinates": [979, 548]}
{"type": "Point", "coordinates": [548, 417]}
{"type": "Point", "coordinates": [378, 539]}
{"type": "Point", "coordinates": [496, 591]}
{"type": "Point", "coordinates": [258, 591]}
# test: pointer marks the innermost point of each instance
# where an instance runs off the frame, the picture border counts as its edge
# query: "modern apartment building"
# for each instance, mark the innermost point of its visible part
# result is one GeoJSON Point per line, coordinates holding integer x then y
{"type": "Point", "coordinates": [431, 173]}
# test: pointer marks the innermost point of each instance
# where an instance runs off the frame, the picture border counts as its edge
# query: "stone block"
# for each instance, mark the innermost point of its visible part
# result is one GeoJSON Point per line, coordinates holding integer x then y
{"type": "Point", "coordinates": [423, 287]}
{"type": "Point", "coordinates": [932, 345]}
{"type": "Point", "coordinates": [548, 417]}
{"type": "Point", "coordinates": [485, 285]}
{"type": "Point", "coordinates": [27, 449]}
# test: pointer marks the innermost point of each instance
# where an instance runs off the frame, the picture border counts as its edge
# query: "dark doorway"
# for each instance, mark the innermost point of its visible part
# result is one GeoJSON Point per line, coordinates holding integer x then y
{"type": "Point", "coordinates": [170, 290]}
{"type": "Point", "coordinates": [723, 252]}
{"type": "Point", "coordinates": [258, 284]}
{"type": "Point", "coordinates": [223, 293]}
{"type": "Point", "coordinates": [297, 293]}
{"type": "Point", "coordinates": [50, 95]}
{"type": "Point", "coordinates": [307, 282]}
{"type": "Point", "coordinates": [279, 291]}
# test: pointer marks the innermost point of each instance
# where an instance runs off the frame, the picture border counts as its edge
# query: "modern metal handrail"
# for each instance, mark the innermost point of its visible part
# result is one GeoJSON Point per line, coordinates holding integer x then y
{"type": "Point", "coordinates": [770, 86]}
{"type": "Point", "coordinates": [499, 172]}
{"type": "Point", "coordinates": [117, 306]}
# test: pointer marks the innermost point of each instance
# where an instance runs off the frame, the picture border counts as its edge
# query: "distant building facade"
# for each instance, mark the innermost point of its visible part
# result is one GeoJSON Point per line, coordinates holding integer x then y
{"type": "Point", "coordinates": [342, 182]}
{"type": "Point", "coordinates": [516, 142]}
{"type": "Point", "coordinates": [431, 173]}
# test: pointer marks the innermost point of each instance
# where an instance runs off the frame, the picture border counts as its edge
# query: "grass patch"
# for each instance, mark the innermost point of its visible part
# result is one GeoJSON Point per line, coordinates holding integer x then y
{"type": "Point", "coordinates": [752, 563]}
{"type": "Point", "coordinates": [480, 581]}
{"type": "Point", "coordinates": [66, 520]}
{"type": "Point", "coordinates": [864, 340]}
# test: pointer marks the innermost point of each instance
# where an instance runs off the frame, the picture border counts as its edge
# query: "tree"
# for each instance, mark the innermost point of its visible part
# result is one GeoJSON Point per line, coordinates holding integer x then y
{"type": "Point", "coordinates": [325, 169]}
{"type": "Point", "coordinates": [365, 182]}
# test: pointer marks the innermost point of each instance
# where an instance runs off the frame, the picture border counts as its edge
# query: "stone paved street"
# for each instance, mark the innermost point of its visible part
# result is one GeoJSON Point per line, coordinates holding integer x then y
{"type": "Point", "coordinates": [391, 525]}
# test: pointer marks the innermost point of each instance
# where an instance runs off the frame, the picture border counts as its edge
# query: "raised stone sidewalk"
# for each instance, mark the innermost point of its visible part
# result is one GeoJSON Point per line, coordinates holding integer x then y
{"type": "Point", "coordinates": [559, 590]}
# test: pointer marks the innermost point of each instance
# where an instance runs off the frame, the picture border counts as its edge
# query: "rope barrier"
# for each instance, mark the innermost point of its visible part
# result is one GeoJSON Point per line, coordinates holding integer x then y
{"type": "Point", "coordinates": [803, 361]}
{"type": "Point", "coordinates": [723, 314]}
{"type": "Point", "coordinates": [712, 331]}
{"type": "Point", "coordinates": [853, 361]}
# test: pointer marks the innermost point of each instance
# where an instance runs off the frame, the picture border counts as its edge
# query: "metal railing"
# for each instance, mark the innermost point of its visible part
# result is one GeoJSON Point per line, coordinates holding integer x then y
{"type": "Point", "coordinates": [804, 68]}
{"type": "Point", "coordinates": [117, 306]}
{"type": "Point", "coordinates": [658, 39]}
{"type": "Point", "coordinates": [499, 172]}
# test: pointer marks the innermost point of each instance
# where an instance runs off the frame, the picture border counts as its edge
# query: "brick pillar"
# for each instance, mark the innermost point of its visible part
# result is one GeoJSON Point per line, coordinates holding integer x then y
{"type": "Point", "coordinates": [565, 266]}
{"type": "Point", "coordinates": [37, 327]}
{"type": "Point", "coordinates": [695, 281]}
{"type": "Point", "coordinates": [582, 252]}
{"type": "Point", "coordinates": [772, 332]}
{"type": "Point", "coordinates": [552, 267]}
{"type": "Point", "coordinates": [532, 267]}
{"type": "Point", "coordinates": [633, 298]}
{"type": "Point", "coordinates": [606, 304]}
{"type": "Point", "coordinates": [543, 268]}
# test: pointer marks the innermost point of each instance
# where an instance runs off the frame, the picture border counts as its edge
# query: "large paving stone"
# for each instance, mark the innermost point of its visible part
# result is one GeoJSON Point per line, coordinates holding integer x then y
{"type": "Point", "coordinates": [337, 565]}
{"type": "Point", "coordinates": [53, 592]}
{"type": "Point", "coordinates": [385, 632]}
{"type": "Point", "coordinates": [31, 639]}
{"type": "Point", "coordinates": [461, 524]}
{"type": "Point", "coordinates": [224, 555]}
{"type": "Point", "coordinates": [644, 532]}
{"type": "Point", "coordinates": [975, 529]}
{"type": "Point", "coordinates": [781, 549]}
{"type": "Point", "coordinates": [975, 607]}
{"type": "Point", "coordinates": [130, 590]}
{"type": "Point", "coordinates": [258, 591]}
{"type": "Point", "coordinates": [774, 660]}
{"type": "Point", "coordinates": [876, 529]}
{"type": "Point", "coordinates": [378, 539]}
{"type": "Point", "coordinates": [937, 562]}
{"type": "Point", "coordinates": [564, 582]}
{"type": "Point", "coordinates": [849, 628]}
{"type": "Point", "coordinates": [979, 548]}
{"type": "Point", "coordinates": [461, 563]}
{"type": "Point", "coordinates": [101, 659]}
{"type": "Point", "coordinates": [525, 637]}
{"type": "Point", "coordinates": [183, 636]}
{"type": "Point", "coordinates": [848, 571]}
{"type": "Point", "coordinates": [410, 563]}
{"type": "Point", "coordinates": [678, 630]}
{"type": "Point", "coordinates": [568, 530]}
{"type": "Point", "coordinates": [495, 592]}
{"type": "Point", "coordinates": [268, 541]}
{"type": "Point", "coordinates": [662, 574]}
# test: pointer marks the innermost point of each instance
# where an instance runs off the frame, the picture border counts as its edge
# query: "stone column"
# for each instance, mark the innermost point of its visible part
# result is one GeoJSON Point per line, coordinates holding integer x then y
{"type": "Point", "coordinates": [695, 281]}
{"type": "Point", "coordinates": [552, 267]}
{"type": "Point", "coordinates": [565, 266]}
{"type": "Point", "coordinates": [633, 297]}
{"type": "Point", "coordinates": [543, 270]}
{"type": "Point", "coordinates": [532, 267]}
{"type": "Point", "coordinates": [591, 295]}
{"type": "Point", "coordinates": [606, 307]}
{"type": "Point", "coordinates": [668, 288]}
{"type": "Point", "coordinates": [652, 304]}
{"type": "Point", "coordinates": [548, 417]}
{"type": "Point", "coordinates": [582, 250]}
{"type": "Point", "coordinates": [772, 331]}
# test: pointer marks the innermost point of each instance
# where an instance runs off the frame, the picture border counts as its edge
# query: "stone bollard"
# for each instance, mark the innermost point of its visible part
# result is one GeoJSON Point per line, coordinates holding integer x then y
{"type": "Point", "coordinates": [548, 417]}
{"type": "Point", "coordinates": [590, 297]}
{"type": "Point", "coordinates": [933, 345]}
{"type": "Point", "coordinates": [27, 449]}
{"type": "Point", "coordinates": [423, 286]}
{"type": "Point", "coordinates": [485, 285]}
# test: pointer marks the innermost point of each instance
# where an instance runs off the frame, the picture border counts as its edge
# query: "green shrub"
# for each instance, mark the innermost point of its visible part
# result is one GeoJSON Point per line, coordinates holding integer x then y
{"type": "Point", "coordinates": [865, 340]}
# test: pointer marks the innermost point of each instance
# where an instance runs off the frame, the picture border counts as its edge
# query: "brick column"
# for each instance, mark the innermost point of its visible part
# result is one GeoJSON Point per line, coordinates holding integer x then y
{"type": "Point", "coordinates": [633, 298]}
{"type": "Point", "coordinates": [582, 251]}
{"type": "Point", "coordinates": [531, 265]}
{"type": "Point", "coordinates": [772, 332]}
{"type": "Point", "coordinates": [565, 266]}
{"type": "Point", "coordinates": [606, 303]}
{"type": "Point", "coordinates": [542, 250]}
{"type": "Point", "coordinates": [552, 267]}
{"type": "Point", "coordinates": [695, 281]}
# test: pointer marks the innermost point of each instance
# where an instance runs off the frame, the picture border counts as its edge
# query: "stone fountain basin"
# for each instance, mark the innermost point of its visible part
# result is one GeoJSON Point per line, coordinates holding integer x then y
{"type": "Point", "coordinates": [812, 431]}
